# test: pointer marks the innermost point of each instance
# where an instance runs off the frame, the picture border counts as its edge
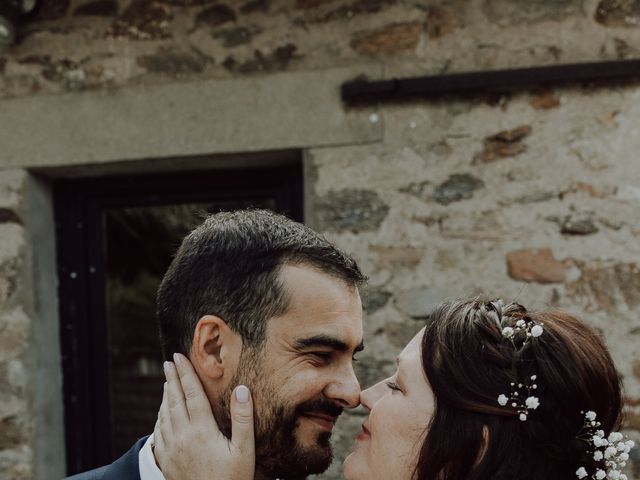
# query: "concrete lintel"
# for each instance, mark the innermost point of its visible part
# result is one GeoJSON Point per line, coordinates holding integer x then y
{"type": "Point", "coordinates": [278, 111]}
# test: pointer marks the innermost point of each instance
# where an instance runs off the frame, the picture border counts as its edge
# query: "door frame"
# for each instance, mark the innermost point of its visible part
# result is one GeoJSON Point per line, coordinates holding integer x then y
{"type": "Point", "coordinates": [79, 206]}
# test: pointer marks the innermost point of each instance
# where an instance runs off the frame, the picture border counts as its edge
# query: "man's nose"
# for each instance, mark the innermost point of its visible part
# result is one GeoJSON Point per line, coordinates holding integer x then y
{"type": "Point", "coordinates": [345, 389]}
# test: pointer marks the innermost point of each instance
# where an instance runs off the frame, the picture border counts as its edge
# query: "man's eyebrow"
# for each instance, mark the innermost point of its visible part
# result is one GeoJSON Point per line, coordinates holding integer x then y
{"type": "Point", "coordinates": [326, 341]}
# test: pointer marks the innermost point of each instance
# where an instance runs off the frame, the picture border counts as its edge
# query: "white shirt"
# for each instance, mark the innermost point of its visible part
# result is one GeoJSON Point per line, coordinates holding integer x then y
{"type": "Point", "coordinates": [147, 462]}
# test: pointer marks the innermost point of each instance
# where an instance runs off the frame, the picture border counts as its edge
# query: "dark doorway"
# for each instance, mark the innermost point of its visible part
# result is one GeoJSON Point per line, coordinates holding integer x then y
{"type": "Point", "coordinates": [116, 237]}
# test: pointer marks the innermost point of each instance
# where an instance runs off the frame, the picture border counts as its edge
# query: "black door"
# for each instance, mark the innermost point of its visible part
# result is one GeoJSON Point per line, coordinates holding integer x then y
{"type": "Point", "coordinates": [116, 237]}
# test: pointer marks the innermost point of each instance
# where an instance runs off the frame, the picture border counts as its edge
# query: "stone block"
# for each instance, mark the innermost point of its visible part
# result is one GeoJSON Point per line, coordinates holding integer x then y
{"type": "Point", "coordinates": [537, 266]}
{"type": "Point", "coordinates": [394, 38]}
{"type": "Point", "coordinates": [391, 256]}
{"type": "Point", "coordinates": [508, 143]}
{"type": "Point", "coordinates": [418, 302]}
{"type": "Point", "coordinates": [442, 20]}
{"type": "Point", "coordinates": [618, 13]}
{"type": "Point", "coordinates": [174, 63]}
{"type": "Point", "coordinates": [143, 20]}
{"type": "Point", "coordinates": [351, 210]}
{"type": "Point", "coordinates": [374, 300]}
{"type": "Point", "coordinates": [545, 100]}
{"type": "Point", "coordinates": [606, 286]}
{"type": "Point", "coordinates": [11, 188]}
{"type": "Point", "coordinates": [98, 8]}
{"type": "Point", "coordinates": [216, 15]}
{"type": "Point", "coordinates": [516, 12]}
{"type": "Point", "coordinates": [576, 225]}
{"type": "Point", "coordinates": [15, 328]}
{"type": "Point", "coordinates": [456, 188]}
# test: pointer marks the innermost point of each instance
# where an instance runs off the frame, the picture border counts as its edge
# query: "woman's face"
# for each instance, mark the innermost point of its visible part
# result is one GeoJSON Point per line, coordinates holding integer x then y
{"type": "Point", "coordinates": [400, 409]}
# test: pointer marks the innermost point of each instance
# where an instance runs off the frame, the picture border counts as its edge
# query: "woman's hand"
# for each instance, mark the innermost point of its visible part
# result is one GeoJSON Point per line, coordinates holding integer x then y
{"type": "Point", "coordinates": [188, 442]}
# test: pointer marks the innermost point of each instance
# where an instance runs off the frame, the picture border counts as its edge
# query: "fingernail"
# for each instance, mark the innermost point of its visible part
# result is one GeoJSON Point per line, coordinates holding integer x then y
{"type": "Point", "coordinates": [242, 394]}
{"type": "Point", "coordinates": [176, 358]}
{"type": "Point", "coordinates": [165, 367]}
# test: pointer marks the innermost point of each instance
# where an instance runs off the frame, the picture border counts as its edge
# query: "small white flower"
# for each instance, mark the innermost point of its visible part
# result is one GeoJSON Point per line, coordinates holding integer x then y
{"type": "Point", "coordinates": [532, 403]}
{"type": "Point", "coordinates": [614, 474]}
{"type": "Point", "coordinates": [600, 474]}
{"type": "Point", "coordinates": [537, 330]}
{"type": "Point", "coordinates": [520, 323]}
{"type": "Point", "coordinates": [615, 437]}
{"type": "Point", "coordinates": [621, 447]}
{"type": "Point", "coordinates": [597, 441]}
{"type": "Point", "coordinates": [523, 417]}
{"type": "Point", "coordinates": [623, 457]}
{"type": "Point", "coordinates": [590, 415]}
{"type": "Point", "coordinates": [597, 455]}
{"type": "Point", "coordinates": [507, 332]}
{"type": "Point", "coordinates": [533, 377]}
{"type": "Point", "coordinates": [502, 399]}
{"type": "Point", "coordinates": [581, 472]}
{"type": "Point", "coordinates": [630, 444]}
{"type": "Point", "coordinates": [610, 452]}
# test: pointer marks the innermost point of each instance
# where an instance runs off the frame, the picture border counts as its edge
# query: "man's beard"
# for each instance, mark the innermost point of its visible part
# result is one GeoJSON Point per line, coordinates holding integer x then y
{"type": "Point", "coordinates": [278, 452]}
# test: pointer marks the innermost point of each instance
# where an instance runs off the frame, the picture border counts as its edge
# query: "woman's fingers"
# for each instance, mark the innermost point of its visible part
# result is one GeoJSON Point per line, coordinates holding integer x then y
{"type": "Point", "coordinates": [198, 406]}
{"type": "Point", "coordinates": [177, 408]}
{"type": "Point", "coordinates": [242, 436]}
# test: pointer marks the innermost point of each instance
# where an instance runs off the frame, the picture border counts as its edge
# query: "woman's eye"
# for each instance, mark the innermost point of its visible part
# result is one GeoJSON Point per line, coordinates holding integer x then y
{"type": "Point", "coordinates": [393, 386]}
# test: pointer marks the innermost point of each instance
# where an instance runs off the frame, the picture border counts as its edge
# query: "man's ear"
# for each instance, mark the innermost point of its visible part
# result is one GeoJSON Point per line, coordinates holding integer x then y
{"type": "Point", "coordinates": [216, 348]}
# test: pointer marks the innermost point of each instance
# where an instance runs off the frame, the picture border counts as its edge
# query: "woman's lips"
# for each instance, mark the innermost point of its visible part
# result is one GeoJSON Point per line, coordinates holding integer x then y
{"type": "Point", "coordinates": [364, 434]}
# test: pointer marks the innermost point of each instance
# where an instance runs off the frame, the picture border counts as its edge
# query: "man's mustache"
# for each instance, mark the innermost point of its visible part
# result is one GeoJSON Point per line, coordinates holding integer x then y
{"type": "Point", "coordinates": [319, 405]}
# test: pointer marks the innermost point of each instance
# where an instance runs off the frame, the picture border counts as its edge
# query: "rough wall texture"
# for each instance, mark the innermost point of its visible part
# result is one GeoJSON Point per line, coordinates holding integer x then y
{"type": "Point", "coordinates": [552, 223]}
{"type": "Point", "coordinates": [17, 429]}
{"type": "Point", "coordinates": [533, 196]}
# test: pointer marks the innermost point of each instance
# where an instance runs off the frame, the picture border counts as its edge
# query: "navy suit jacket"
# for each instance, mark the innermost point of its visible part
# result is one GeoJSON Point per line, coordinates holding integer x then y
{"type": "Point", "coordinates": [127, 467]}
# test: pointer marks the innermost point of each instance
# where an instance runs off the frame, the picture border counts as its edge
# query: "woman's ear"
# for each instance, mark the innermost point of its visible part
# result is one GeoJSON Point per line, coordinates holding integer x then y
{"type": "Point", "coordinates": [216, 348]}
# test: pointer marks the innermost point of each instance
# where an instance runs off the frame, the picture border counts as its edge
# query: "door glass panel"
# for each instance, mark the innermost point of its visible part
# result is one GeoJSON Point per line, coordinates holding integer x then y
{"type": "Point", "coordinates": [140, 243]}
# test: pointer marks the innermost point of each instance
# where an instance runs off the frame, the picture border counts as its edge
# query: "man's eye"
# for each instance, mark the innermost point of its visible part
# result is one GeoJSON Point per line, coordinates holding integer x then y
{"type": "Point", "coordinates": [393, 386]}
{"type": "Point", "coordinates": [323, 356]}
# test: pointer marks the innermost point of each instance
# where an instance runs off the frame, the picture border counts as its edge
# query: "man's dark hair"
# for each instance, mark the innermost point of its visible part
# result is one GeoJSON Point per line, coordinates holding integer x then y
{"type": "Point", "coordinates": [229, 267]}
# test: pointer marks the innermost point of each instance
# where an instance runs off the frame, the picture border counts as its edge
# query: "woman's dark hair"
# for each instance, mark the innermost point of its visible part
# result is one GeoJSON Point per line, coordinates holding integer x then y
{"type": "Point", "coordinates": [468, 364]}
{"type": "Point", "coordinates": [229, 266]}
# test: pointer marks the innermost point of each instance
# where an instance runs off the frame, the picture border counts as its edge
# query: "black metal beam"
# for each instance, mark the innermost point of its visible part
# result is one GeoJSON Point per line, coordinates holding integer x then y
{"type": "Point", "coordinates": [360, 91]}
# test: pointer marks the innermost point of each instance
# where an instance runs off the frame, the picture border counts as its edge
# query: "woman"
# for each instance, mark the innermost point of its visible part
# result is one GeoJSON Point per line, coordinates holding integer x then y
{"type": "Point", "coordinates": [484, 391]}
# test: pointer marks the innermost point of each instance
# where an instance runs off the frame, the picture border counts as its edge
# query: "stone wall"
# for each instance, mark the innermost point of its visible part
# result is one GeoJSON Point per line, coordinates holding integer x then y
{"type": "Point", "coordinates": [17, 419]}
{"type": "Point", "coordinates": [531, 196]}
{"type": "Point", "coordinates": [511, 199]}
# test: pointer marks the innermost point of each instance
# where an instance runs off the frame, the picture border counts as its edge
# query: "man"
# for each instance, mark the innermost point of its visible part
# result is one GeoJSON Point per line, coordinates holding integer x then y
{"type": "Point", "coordinates": [254, 298]}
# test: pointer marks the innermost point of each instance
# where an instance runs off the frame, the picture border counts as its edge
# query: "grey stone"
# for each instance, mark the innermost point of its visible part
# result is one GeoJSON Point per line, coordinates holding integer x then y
{"type": "Point", "coordinates": [375, 300]}
{"type": "Point", "coordinates": [237, 36]}
{"type": "Point", "coordinates": [9, 216]}
{"type": "Point", "coordinates": [618, 13]}
{"type": "Point", "coordinates": [400, 334]}
{"type": "Point", "coordinates": [275, 60]}
{"type": "Point", "coordinates": [578, 226]}
{"type": "Point", "coordinates": [351, 210]}
{"type": "Point", "coordinates": [514, 12]}
{"type": "Point", "coordinates": [418, 302]}
{"type": "Point", "coordinates": [216, 15]}
{"type": "Point", "coordinates": [99, 8]}
{"type": "Point", "coordinates": [255, 6]}
{"type": "Point", "coordinates": [173, 63]}
{"type": "Point", "coordinates": [457, 187]}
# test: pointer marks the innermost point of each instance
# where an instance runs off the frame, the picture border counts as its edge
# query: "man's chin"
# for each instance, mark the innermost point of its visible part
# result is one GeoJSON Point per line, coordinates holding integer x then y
{"type": "Point", "coordinates": [306, 458]}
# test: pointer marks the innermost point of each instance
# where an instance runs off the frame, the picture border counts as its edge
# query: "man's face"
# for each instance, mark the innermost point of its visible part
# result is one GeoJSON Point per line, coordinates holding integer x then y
{"type": "Point", "coordinates": [303, 377]}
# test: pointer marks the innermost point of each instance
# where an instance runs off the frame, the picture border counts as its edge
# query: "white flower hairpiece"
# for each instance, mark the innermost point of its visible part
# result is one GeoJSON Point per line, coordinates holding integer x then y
{"type": "Point", "coordinates": [522, 331]}
{"type": "Point", "coordinates": [521, 398]}
{"type": "Point", "coordinates": [611, 451]}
